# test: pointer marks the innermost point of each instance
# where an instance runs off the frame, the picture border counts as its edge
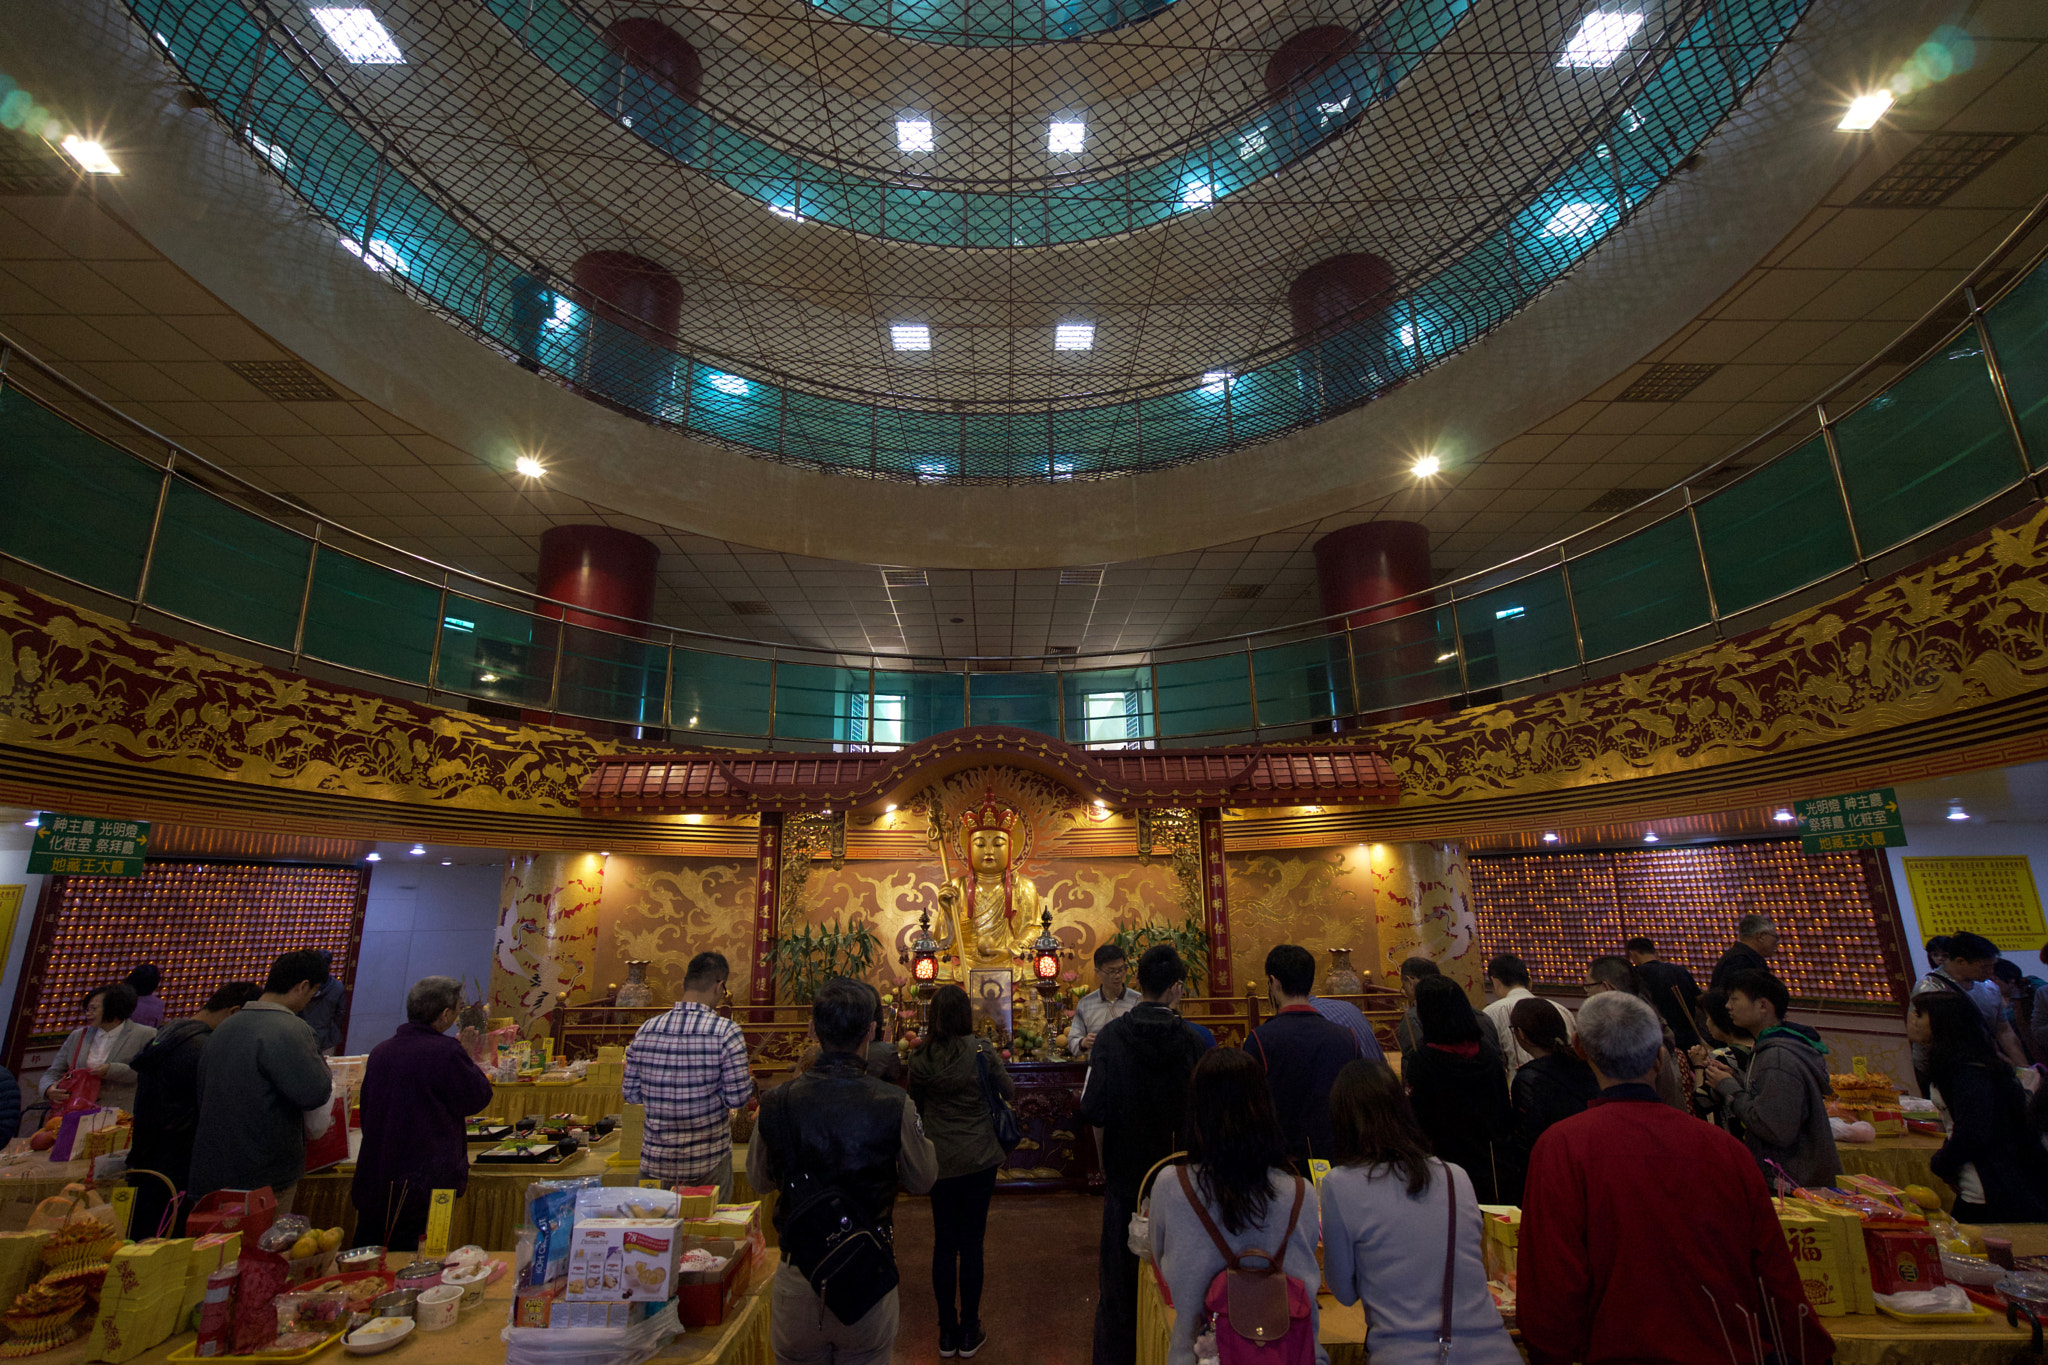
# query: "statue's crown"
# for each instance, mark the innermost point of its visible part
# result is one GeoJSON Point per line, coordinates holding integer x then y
{"type": "Point", "coordinates": [990, 814]}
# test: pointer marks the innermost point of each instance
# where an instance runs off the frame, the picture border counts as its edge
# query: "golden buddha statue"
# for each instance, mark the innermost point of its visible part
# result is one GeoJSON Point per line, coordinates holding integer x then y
{"type": "Point", "coordinates": [991, 911]}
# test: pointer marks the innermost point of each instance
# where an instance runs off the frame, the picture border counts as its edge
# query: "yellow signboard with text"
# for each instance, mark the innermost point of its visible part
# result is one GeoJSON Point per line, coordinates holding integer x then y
{"type": "Point", "coordinates": [1994, 897]}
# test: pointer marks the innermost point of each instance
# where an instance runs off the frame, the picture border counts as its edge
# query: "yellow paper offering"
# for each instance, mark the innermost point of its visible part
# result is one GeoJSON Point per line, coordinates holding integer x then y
{"type": "Point", "coordinates": [1818, 1255]}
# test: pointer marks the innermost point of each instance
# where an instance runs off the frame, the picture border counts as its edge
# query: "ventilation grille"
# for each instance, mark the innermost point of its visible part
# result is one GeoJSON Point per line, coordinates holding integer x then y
{"type": "Point", "coordinates": [286, 381]}
{"type": "Point", "coordinates": [751, 608]}
{"type": "Point", "coordinates": [905, 578]}
{"type": "Point", "coordinates": [1620, 500]}
{"type": "Point", "coordinates": [1062, 649]}
{"type": "Point", "coordinates": [1241, 592]}
{"type": "Point", "coordinates": [28, 167]}
{"type": "Point", "coordinates": [1665, 383]}
{"type": "Point", "coordinates": [1081, 578]}
{"type": "Point", "coordinates": [1934, 170]}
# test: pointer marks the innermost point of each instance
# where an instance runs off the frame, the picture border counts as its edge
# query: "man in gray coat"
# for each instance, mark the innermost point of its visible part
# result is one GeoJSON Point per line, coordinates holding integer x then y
{"type": "Point", "coordinates": [261, 1071]}
{"type": "Point", "coordinates": [1782, 1102]}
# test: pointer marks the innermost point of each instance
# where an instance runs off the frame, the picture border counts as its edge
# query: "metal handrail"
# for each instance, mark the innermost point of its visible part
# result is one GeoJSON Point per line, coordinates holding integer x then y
{"type": "Point", "coordinates": [179, 462]}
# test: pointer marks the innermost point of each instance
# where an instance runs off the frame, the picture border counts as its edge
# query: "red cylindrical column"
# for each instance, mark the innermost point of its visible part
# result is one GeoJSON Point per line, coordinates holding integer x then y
{"type": "Point", "coordinates": [636, 306]}
{"type": "Point", "coordinates": [1365, 575]}
{"type": "Point", "coordinates": [601, 568]}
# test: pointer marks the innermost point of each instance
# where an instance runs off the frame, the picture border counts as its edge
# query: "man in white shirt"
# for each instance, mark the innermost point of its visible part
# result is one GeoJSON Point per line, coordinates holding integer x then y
{"type": "Point", "coordinates": [1507, 981]}
{"type": "Point", "coordinates": [1110, 999]}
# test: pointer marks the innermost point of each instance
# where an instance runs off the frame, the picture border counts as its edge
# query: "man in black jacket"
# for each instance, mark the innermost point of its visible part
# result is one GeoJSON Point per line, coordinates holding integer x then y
{"type": "Point", "coordinates": [1137, 1094]}
{"type": "Point", "coordinates": [1302, 1053]}
{"type": "Point", "coordinates": [1669, 988]}
{"type": "Point", "coordinates": [1756, 938]}
{"type": "Point", "coordinates": [835, 1125]}
{"type": "Point", "coordinates": [167, 1105]}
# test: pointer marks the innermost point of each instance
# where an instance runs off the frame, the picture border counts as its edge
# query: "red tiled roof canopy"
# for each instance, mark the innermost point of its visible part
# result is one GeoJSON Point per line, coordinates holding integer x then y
{"type": "Point", "coordinates": [739, 781]}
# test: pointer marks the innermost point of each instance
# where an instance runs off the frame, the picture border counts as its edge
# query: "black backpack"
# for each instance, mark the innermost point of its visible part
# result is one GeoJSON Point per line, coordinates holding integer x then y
{"type": "Point", "coordinates": [848, 1258]}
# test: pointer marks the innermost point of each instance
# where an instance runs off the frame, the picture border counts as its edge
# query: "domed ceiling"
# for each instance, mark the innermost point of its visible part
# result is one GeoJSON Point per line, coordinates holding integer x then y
{"type": "Point", "coordinates": [963, 240]}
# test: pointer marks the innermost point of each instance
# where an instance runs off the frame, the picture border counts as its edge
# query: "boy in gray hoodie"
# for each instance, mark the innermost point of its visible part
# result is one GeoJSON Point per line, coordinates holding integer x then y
{"type": "Point", "coordinates": [1782, 1102]}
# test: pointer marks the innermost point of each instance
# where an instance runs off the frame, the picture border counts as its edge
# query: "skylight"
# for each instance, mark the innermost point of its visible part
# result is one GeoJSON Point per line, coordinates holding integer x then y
{"type": "Point", "coordinates": [1601, 37]}
{"type": "Point", "coordinates": [380, 255]}
{"type": "Point", "coordinates": [1066, 135]}
{"type": "Point", "coordinates": [359, 36]}
{"type": "Point", "coordinates": [1407, 334]}
{"type": "Point", "coordinates": [1198, 195]}
{"type": "Point", "coordinates": [914, 135]}
{"type": "Point", "coordinates": [729, 383]}
{"type": "Point", "coordinates": [1331, 109]}
{"type": "Point", "coordinates": [910, 336]}
{"type": "Point", "coordinates": [932, 471]}
{"type": "Point", "coordinates": [1574, 220]}
{"type": "Point", "coordinates": [1074, 336]}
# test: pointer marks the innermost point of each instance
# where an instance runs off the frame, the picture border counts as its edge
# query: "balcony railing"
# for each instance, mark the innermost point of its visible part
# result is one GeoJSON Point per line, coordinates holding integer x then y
{"type": "Point", "coordinates": [1848, 484]}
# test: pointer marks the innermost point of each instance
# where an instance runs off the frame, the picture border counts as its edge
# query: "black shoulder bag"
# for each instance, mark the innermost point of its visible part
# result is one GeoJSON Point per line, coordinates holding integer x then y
{"type": "Point", "coordinates": [1009, 1131]}
{"type": "Point", "coordinates": [848, 1258]}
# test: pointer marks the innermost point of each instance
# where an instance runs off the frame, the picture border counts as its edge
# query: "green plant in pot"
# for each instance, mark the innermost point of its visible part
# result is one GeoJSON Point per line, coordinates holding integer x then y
{"type": "Point", "coordinates": [807, 960]}
{"type": "Point", "coordinates": [1188, 938]}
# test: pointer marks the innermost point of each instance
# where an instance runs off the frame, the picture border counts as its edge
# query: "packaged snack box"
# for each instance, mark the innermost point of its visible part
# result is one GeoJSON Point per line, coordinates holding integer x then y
{"type": "Point", "coordinates": [712, 1273]}
{"type": "Point", "coordinates": [1902, 1260]}
{"type": "Point", "coordinates": [624, 1260]}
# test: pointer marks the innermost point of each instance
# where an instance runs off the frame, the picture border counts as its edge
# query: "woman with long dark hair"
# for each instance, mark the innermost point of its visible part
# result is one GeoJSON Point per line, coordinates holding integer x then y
{"type": "Point", "coordinates": [1237, 1171]}
{"type": "Point", "coordinates": [1993, 1158]}
{"type": "Point", "coordinates": [1554, 1084]}
{"type": "Point", "coordinates": [1387, 1228]}
{"type": "Point", "coordinates": [945, 1083]}
{"type": "Point", "coordinates": [1461, 1095]}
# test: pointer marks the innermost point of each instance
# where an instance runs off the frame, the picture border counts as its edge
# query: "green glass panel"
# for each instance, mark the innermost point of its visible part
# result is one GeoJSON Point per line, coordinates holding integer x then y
{"type": "Point", "coordinates": [1029, 701]}
{"type": "Point", "coordinates": [69, 502]}
{"type": "Point", "coordinates": [1410, 659]}
{"type": "Point", "coordinates": [1777, 530]}
{"type": "Point", "coordinates": [495, 653]}
{"type": "Point", "coordinates": [228, 569]}
{"type": "Point", "coordinates": [1108, 705]}
{"type": "Point", "coordinates": [2019, 329]}
{"type": "Point", "coordinates": [1305, 681]}
{"type": "Point", "coordinates": [718, 694]}
{"type": "Point", "coordinates": [816, 702]}
{"type": "Point", "coordinates": [1639, 589]}
{"type": "Point", "coordinates": [1519, 631]}
{"type": "Point", "coordinates": [909, 706]}
{"type": "Point", "coordinates": [1933, 444]}
{"type": "Point", "coordinates": [611, 677]}
{"type": "Point", "coordinates": [363, 616]}
{"type": "Point", "coordinates": [1198, 696]}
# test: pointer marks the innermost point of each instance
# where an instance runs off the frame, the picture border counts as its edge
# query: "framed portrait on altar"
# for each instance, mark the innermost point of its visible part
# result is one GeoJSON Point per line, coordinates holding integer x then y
{"type": "Point", "coordinates": [990, 993]}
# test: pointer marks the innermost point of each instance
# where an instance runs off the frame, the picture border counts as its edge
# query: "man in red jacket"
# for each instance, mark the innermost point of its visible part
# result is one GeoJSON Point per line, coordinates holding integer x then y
{"type": "Point", "coordinates": [1647, 1235]}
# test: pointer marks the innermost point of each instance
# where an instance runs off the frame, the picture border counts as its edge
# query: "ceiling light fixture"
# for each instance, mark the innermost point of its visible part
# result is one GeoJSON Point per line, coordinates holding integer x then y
{"type": "Point", "coordinates": [1600, 38]}
{"type": "Point", "coordinates": [359, 36]}
{"type": "Point", "coordinates": [1549, 838]}
{"type": "Point", "coordinates": [1784, 817]}
{"type": "Point", "coordinates": [1956, 811]}
{"type": "Point", "coordinates": [1864, 111]}
{"type": "Point", "coordinates": [33, 821]}
{"type": "Point", "coordinates": [447, 862]}
{"type": "Point", "coordinates": [373, 857]}
{"type": "Point", "coordinates": [419, 850]}
{"type": "Point", "coordinates": [1428, 467]}
{"type": "Point", "coordinates": [1074, 336]}
{"type": "Point", "coordinates": [910, 336]}
{"type": "Point", "coordinates": [914, 135]}
{"type": "Point", "coordinates": [90, 156]}
{"type": "Point", "coordinates": [730, 383]}
{"type": "Point", "coordinates": [528, 467]}
{"type": "Point", "coordinates": [1650, 838]}
{"type": "Point", "coordinates": [1066, 135]}
{"type": "Point", "coordinates": [1447, 656]}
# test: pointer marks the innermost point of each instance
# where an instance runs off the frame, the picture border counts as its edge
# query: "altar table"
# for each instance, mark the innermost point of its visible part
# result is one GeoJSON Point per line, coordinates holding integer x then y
{"type": "Point", "coordinates": [487, 1214]}
{"type": "Point", "coordinates": [512, 1102]}
{"type": "Point", "coordinates": [1901, 1160]}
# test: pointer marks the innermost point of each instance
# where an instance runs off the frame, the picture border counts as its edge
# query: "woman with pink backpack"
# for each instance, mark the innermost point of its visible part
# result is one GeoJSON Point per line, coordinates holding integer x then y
{"type": "Point", "coordinates": [1234, 1230]}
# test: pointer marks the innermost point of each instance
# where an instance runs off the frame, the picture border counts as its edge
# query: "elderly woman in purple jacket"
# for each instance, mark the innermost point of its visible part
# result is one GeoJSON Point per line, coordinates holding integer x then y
{"type": "Point", "coordinates": [418, 1089]}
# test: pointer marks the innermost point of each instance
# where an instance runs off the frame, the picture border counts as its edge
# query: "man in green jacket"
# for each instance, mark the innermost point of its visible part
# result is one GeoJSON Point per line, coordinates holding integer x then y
{"type": "Point", "coordinates": [261, 1071]}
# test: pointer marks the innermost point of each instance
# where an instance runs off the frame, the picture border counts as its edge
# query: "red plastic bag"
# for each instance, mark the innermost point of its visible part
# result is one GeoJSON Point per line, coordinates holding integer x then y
{"type": "Point", "coordinates": [83, 1088]}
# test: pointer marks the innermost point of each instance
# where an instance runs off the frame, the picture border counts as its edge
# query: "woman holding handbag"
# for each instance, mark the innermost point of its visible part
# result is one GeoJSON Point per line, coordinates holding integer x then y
{"type": "Point", "coordinates": [1401, 1232]}
{"type": "Point", "coordinates": [101, 1050]}
{"type": "Point", "coordinates": [958, 1084]}
{"type": "Point", "coordinates": [1236, 1190]}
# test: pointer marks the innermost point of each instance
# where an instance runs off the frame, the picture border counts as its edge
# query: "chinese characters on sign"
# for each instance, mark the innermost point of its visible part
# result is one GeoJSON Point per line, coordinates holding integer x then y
{"type": "Point", "coordinates": [1994, 897]}
{"type": "Point", "coordinates": [1836, 824]}
{"type": "Point", "coordinates": [87, 845]}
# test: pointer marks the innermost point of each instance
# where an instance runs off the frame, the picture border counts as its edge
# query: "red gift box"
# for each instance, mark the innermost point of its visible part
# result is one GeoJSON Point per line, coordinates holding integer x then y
{"type": "Point", "coordinates": [1902, 1260]}
{"type": "Point", "coordinates": [703, 1298]}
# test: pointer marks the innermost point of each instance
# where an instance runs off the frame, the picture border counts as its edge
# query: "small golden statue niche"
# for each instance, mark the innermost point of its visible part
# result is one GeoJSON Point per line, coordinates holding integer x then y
{"type": "Point", "coordinates": [990, 912]}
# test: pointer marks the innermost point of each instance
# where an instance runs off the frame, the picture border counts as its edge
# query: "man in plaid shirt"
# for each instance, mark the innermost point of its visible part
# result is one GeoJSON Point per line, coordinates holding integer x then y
{"type": "Point", "coordinates": [689, 1068]}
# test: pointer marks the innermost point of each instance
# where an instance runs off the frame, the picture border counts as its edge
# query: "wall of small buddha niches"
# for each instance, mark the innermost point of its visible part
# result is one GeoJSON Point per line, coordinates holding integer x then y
{"type": "Point", "coordinates": [1837, 925]}
{"type": "Point", "coordinates": [203, 923]}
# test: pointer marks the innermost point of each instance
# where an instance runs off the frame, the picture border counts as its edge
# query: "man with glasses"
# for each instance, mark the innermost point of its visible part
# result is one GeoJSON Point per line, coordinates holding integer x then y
{"type": "Point", "coordinates": [689, 1068]}
{"type": "Point", "coordinates": [1110, 999]}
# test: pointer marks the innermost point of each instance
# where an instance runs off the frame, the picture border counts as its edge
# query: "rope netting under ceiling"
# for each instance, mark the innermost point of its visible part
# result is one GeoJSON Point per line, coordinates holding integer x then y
{"type": "Point", "coordinates": [858, 236]}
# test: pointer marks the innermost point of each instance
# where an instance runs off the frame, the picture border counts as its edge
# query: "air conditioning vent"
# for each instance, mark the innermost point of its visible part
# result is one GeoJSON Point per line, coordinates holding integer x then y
{"type": "Point", "coordinates": [751, 608]}
{"type": "Point", "coordinates": [904, 578]}
{"type": "Point", "coordinates": [1081, 578]}
{"type": "Point", "coordinates": [1665, 383]}
{"type": "Point", "coordinates": [286, 381]}
{"type": "Point", "coordinates": [27, 167]}
{"type": "Point", "coordinates": [1942, 164]}
{"type": "Point", "coordinates": [1241, 592]}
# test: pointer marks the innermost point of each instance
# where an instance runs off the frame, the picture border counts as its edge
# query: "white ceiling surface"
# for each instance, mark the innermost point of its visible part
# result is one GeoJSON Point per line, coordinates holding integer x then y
{"type": "Point", "coordinates": [83, 291]}
{"type": "Point", "coordinates": [2016, 795]}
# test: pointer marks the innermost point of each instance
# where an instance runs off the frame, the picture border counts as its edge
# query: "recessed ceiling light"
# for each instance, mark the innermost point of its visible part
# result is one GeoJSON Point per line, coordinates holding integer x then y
{"type": "Point", "coordinates": [1650, 838]}
{"type": "Point", "coordinates": [447, 862]}
{"type": "Point", "coordinates": [1600, 38]}
{"type": "Point", "coordinates": [1574, 220]}
{"type": "Point", "coordinates": [1074, 336]}
{"type": "Point", "coordinates": [359, 36]}
{"type": "Point", "coordinates": [1956, 811]}
{"type": "Point", "coordinates": [1549, 838]}
{"type": "Point", "coordinates": [1447, 656]}
{"type": "Point", "coordinates": [910, 336]}
{"type": "Point", "coordinates": [913, 135]}
{"type": "Point", "coordinates": [419, 850]}
{"type": "Point", "coordinates": [1428, 467]}
{"type": "Point", "coordinates": [1784, 817]}
{"type": "Point", "coordinates": [373, 857]}
{"type": "Point", "coordinates": [730, 383]}
{"type": "Point", "coordinates": [90, 155]}
{"type": "Point", "coordinates": [1066, 135]}
{"type": "Point", "coordinates": [529, 467]}
{"type": "Point", "coordinates": [1864, 111]}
